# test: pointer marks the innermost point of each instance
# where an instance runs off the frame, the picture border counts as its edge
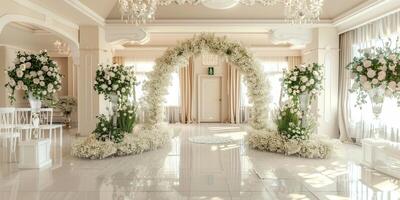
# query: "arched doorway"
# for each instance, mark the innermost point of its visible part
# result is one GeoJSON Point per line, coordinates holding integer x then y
{"type": "Point", "coordinates": [156, 87]}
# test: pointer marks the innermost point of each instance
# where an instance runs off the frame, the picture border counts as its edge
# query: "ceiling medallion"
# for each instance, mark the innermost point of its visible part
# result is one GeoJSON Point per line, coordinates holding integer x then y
{"type": "Point", "coordinates": [296, 11]}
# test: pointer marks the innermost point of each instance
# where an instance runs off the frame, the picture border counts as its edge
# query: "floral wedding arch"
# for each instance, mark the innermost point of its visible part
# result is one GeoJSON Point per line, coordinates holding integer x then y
{"type": "Point", "coordinates": [156, 87]}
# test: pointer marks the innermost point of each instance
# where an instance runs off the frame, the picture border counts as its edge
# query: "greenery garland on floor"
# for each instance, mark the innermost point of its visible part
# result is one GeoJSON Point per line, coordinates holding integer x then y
{"type": "Point", "coordinates": [294, 124]}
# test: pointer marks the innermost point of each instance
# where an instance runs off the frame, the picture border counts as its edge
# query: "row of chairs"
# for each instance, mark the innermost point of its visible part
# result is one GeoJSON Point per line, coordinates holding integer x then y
{"type": "Point", "coordinates": [16, 124]}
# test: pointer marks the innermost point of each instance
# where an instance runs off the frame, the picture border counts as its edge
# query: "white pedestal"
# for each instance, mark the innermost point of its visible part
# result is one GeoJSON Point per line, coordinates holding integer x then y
{"type": "Point", "coordinates": [34, 153]}
{"type": "Point", "coordinates": [382, 155]}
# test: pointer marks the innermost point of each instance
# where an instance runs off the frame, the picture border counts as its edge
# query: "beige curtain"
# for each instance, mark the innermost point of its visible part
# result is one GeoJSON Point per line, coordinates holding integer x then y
{"type": "Point", "coordinates": [119, 60]}
{"type": "Point", "coordinates": [293, 61]}
{"type": "Point", "coordinates": [233, 94]}
{"type": "Point", "coordinates": [363, 35]}
{"type": "Point", "coordinates": [186, 92]}
{"type": "Point", "coordinates": [345, 57]}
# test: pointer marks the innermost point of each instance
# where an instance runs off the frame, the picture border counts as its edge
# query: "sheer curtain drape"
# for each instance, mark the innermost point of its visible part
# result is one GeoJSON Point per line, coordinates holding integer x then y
{"type": "Point", "coordinates": [233, 94]}
{"type": "Point", "coordinates": [186, 78]}
{"type": "Point", "coordinates": [353, 122]}
{"type": "Point", "coordinates": [273, 69]}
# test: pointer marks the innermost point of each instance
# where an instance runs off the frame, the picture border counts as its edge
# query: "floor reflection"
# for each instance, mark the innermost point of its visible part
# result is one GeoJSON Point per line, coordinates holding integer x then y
{"type": "Point", "coordinates": [184, 170]}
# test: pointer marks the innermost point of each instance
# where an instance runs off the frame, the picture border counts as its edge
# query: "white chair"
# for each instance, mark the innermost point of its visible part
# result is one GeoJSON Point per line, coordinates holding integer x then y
{"type": "Point", "coordinates": [8, 134]}
{"type": "Point", "coordinates": [46, 124]}
{"type": "Point", "coordinates": [23, 122]}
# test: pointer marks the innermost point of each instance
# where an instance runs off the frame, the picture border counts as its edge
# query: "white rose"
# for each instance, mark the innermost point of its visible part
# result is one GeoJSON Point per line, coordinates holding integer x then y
{"type": "Point", "coordinates": [304, 79]}
{"type": "Point", "coordinates": [115, 87]}
{"type": "Point", "coordinates": [39, 72]}
{"type": "Point", "coordinates": [371, 73]}
{"type": "Point", "coordinates": [381, 75]}
{"type": "Point", "coordinates": [382, 61]}
{"type": "Point", "coordinates": [123, 90]}
{"type": "Point", "coordinates": [383, 68]}
{"type": "Point", "coordinates": [12, 82]}
{"type": "Point", "coordinates": [20, 74]}
{"type": "Point", "coordinates": [33, 73]}
{"type": "Point", "coordinates": [41, 83]}
{"type": "Point", "coordinates": [363, 79]}
{"type": "Point", "coordinates": [374, 81]}
{"type": "Point", "coordinates": [44, 92]}
{"type": "Point", "coordinates": [41, 78]}
{"type": "Point", "coordinates": [22, 67]}
{"type": "Point", "coordinates": [49, 73]}
{"type": "Point", "coordinates": [50, 86]}
{"type": "Point", "coordinates": [392, 85]}
{"type": "Point", "coordinates": [36, 81]}
{"type": "Point", "coordinates": [366, 85]}
{"type": "Point", "coordinates": [103, 86]}
{"type": "Point", "coordinates": [302, 88]}
{"type": "Point", "coordinates": [51, 69]}
{"type": "Point", "coordinates": [22, 59]}
{"type": "Point", "coordinates": [359, 68]}
{"type": "Point", "coordinates": [24, 87]}
{"type": "Point", "coordinates": [392, 67]}
{"type": "Point", "coordinates": [311, 81]}
{"type": "Point", "coordinates": [28, 65]}
{"type": "Point", "coordinates": [367, 63]}
{"type": "Point", "coordinates": [28, 58]}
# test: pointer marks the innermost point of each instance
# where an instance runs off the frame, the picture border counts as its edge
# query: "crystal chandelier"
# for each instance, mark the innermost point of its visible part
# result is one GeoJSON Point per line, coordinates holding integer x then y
{"type": "Point", "coordinates": [137, 11]}
{"type": "Point", "coordinates": [296, 11]}
{"type": "Point", "coordinates": [62, 48]}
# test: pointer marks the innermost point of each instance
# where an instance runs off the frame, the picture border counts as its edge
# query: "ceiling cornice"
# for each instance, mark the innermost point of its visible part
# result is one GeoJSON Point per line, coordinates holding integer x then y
{"type": "Point", "coordinates": [217, 26]}
{"type": "Point", "coordinates": [47, 13]}
{"type": "Point", "coordinates": [79, 6]}
{"type": "Point", "coordinates": [365, 13]}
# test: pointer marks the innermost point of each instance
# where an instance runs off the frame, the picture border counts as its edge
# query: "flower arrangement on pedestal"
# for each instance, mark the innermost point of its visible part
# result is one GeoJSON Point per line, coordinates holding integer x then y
{"type": "Point", "coordinates": [302, 84]}
{"type": "Point", "coordinates": [36, 74]}
{"type": "Point", "coordinates": [293, 120]}
{"type": "Point", "coordinates": [116, 83]}
{"type": "Point", "coordinates": [376, 74]}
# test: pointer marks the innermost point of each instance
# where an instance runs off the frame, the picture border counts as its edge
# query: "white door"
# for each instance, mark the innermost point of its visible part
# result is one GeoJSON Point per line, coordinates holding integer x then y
{"type": "Point", "coordinates": [210, 100]}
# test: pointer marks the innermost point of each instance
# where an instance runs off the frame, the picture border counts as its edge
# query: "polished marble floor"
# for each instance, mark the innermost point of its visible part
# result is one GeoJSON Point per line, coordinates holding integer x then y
{"type": "Point", "coordinates": [183, 170]}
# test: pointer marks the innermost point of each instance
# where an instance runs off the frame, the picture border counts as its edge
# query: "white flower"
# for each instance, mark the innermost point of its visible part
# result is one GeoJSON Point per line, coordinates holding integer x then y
{"type": "Point", "coordinates": [40, 72]}
{"type": "Point", "coordinates": [371, 73]}
{"type": "Point", "coordinates": [51, 69]}
{"type": "Point", "coordinates": [33, 73]}
{"type": "Point", "coordinates": [44, 92]}
{"type": "Point", "coordinates": [49, 73]}
{"type": "Point", "coordinates": [45, 68]}
{"type": "Point", "coordinates": [28, 58]}
{"type": "Point", "coordinates": [304, 79]}
{"type": "Point", "coordinates": [363, 79]}
{"type": "Point", "coordinates": [123, 90]}
{"type": "Point", "coordinates": [115, 87]}
{"type": "Point", "coordinates": [392, 67]}
{"type": "Point", "coordinates": [12, 82]}
{"type": "Point", "coordinates": [20, 73]}
{"type": "Point", "coordinates": [382, 61]}
{"type": "Point", "coordinates": [311, 81]}
{"type": "Point", "coordinates": [22, 59]}
{"type": "Point", "coordinates": [367, 63]}
{"type": "Point", "coordinates": [22, 67]}
{"type": "Point", "coordinates": [359, 68]}
{"type": "Point", "coordinates": [302, 88]}
{"type": "Point", "coordinates": [381, 75]}
{"type": "Point", "coordinates": [374, 81]}
{"type": "Point", "coordinates": [367, 86]}
{"type": "Point", "coordinates": [24, 87]}
{"type": "Point", "coordinates": [50, 86]}
{"type": "Point", "coordinates": [41, 78]}
{"type": "Point", "coordinates": [392, 85]}
{"type": "Point", "coordinates": [36, 81]}
{"type": "Point", "coordinates": [28, 65]}
{"type": "Point", "coordinates": [103, 86]}
{"type": "Point", "coordinates": [41, 83]}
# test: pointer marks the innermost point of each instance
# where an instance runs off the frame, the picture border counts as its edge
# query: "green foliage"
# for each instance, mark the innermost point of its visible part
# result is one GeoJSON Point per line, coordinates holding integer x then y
{"type": "Point", "coordinates": [127, 118]}
{"type": "Point", "coordinates": [106, 131]}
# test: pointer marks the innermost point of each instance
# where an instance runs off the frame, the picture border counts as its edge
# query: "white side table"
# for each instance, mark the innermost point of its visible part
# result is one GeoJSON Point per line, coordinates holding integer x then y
{"type": "Point", "coordinates": [34, 153]}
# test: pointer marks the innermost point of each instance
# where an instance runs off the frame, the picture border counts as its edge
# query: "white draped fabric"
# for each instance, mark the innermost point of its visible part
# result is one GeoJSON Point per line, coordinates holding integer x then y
{"type": "Point", "coordinates": [353, 122]}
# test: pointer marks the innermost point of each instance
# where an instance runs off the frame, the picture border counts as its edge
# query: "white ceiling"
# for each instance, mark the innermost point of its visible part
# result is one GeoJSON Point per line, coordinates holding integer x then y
{"type": "Point", "coordinates": [331, 9]}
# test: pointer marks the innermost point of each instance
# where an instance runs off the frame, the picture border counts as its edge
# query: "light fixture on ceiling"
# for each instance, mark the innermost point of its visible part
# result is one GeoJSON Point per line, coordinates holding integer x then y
{"type": "Point", "coordinates": [296, 11]}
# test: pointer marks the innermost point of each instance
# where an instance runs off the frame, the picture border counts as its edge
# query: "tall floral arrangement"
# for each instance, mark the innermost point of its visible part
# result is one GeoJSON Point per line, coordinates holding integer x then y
{"type": "Point", "coordinates": [376, 67]}
{"type": "Point", "coordinates": [115, 81]}
{"type": "Point", "coordinates": [35, 74]}
{"type": "Point", "coordinates": [301, 84]}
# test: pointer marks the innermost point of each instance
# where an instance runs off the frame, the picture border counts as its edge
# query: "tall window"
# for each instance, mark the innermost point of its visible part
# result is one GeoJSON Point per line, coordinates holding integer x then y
{"type": "Point", "coordinates": [361, 120]}
{"type": "Point", "coordinates": [273, 69]}
{"type": "Point", "coordinates": [144, 67]}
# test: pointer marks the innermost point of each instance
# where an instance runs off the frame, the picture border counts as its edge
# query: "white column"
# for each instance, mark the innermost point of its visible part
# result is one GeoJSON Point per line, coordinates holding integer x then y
{"type": "Point", "coordinates": [93, 51]}
{"type": "Point", "coordinates": [324, 49]}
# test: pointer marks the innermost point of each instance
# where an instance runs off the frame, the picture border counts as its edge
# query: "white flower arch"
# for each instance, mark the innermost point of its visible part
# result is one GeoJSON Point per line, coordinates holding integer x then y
{"type": "Point", "coordinates": [156, 87]}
